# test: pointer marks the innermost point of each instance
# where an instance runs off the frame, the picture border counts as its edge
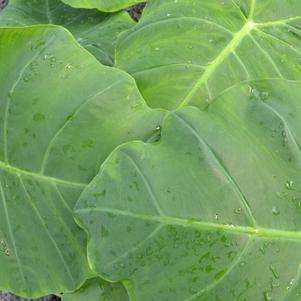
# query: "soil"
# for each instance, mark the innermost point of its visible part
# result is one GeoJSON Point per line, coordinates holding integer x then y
{"type": "Point", "coordinates": [135, 12]}
{"type": "Point", "coordinates": [10, 297]}
{"type": "Point", "coordinates": [3, 3]}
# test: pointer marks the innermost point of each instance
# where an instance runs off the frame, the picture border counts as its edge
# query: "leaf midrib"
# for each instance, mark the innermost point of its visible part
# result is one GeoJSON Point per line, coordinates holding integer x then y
{"type": "Point", "coordinates": [17, 171]}
{"type": "Point", "coordinates": [231, 46]}
{"type": "Point", "coordinates": [48, 12]}
{"type": "Point", "coordinates": [194, 223]}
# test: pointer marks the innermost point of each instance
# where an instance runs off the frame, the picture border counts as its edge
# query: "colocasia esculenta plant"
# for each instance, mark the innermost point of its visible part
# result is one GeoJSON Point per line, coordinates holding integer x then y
{"type": "Point", "coordinates": [151, 161]}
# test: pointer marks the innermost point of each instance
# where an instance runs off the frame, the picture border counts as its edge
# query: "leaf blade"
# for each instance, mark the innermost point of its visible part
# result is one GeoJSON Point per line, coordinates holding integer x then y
{"type": "Point", "coordinates": [96, 31]}
{"type": "Point", "coordinates": [203, 235]}
{"type": "Point", "coordinates": [98, 290]}
{"type": "Point", "coordinates": [103, 5]}
{"type": "Point", "coordinates": [39, 95]}
{"type": "Point", "coordinates": [219, 44]}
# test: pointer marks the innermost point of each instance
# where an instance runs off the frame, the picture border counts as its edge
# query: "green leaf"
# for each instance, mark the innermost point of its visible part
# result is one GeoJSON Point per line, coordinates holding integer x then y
{"type": "Point", "coordinates": [212, 211]}
{"type": "Point", "coordinates": [103, 5]}
{"type": "Point", "coordinates": [187, 52]}
{"type": "Point", "coordinates": [61, 114]}
{"type": "Point", "coordinates": [94, 30]}
{"type": "Point", "coordinates": [98, 290]}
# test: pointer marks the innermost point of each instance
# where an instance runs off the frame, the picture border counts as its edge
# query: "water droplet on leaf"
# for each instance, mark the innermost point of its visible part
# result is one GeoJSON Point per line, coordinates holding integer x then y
{"type": "Point", "coordinates": [237, 211]}
{"type": "Point", "coordinates": [289, 185]}
{"type": "Point", "coordinates": [267, 296]}
{"type": "Point", "coordinates": [275, 211]}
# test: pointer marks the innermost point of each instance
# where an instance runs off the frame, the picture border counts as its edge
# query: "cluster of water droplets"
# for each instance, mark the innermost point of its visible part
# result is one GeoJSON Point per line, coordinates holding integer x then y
{"type": "Point", "coordinates": [256, 94]}
{"type": "Point", "coordinates": [290, 193]}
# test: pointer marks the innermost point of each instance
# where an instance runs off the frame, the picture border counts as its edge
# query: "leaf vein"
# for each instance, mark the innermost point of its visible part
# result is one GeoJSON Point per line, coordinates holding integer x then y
{"type": "Point", "coordinates": [6, 112]}
{"type": "Point", "coordinates": [52, 240]}
{"type": "Point", "coordinates": [133, 33]}
{"type": "Point", "coordinates": [224, 171]}
{"type": "Point", "coordinates": [67, 121]}
{"type": "Point", "coordinates": [146, 183]}
{"type": "Point", "coordinates": [284, 122]}
{"type": "Point", "coordinates": [136, 247]}
{"type": "Point", "coordinates": [229, 270]}
{"type": "Point", "coordinates": [13, 241]}
{"type": "Point", "coordinates": [268, 57]}
{"type": "Point", "coordinates": [17, 171]}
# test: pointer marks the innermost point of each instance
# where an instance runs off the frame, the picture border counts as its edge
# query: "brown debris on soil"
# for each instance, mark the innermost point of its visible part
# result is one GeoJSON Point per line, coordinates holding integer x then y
{"type": "Point", "coordinates": [136, 11]}
{"type": "Point", "coordinates": [10, 297]}
{"type": "Point", "coordinates": [3, 3]}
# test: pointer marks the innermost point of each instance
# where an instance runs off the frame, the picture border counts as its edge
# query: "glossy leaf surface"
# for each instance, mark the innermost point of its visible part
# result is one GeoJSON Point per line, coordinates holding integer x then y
{"type": "Point", "coordinates": [103, 5]}
{"type": "Point", "coordinates": [98, 290]}
{"type": "Point", "coordinates": [187, 52]}
{"type": "Point", "coordinates": [212, 211]}
{"type": "Point", "coordinates": [96, 31]}
{"type": "Point", "coordinates": [61, 114]}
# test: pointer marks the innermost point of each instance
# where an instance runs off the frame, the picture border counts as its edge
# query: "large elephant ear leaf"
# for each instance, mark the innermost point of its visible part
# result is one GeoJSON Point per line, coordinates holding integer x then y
{"type": "Point", "coordinates": [188, 52]}
{"type": "Point", "coordinates": [98, 290]}
{"type": "Point", "coordinates": [213, 211]}
{"type": "Point", "coordinates": [61, 114]}
{"type": "Point", "coordinates": [96, 31]}
{"type": "Point", "coordinates": [102, 5]}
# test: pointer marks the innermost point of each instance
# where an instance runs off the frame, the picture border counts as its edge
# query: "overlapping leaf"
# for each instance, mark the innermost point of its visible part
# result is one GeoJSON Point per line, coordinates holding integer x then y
{"type": "Point", "coordinates": [102, 5]}
{"type": "Point", "coordinates": [188, 52]}
{"type": "Point", "coordinates": [98, 290]}
{"type": "Point", "coordinates": [96, 31]}
{"type": "Point", "coordinates": [61, 114]}
{"type": "Point", "coordinates": [213, 211]}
